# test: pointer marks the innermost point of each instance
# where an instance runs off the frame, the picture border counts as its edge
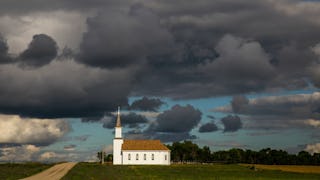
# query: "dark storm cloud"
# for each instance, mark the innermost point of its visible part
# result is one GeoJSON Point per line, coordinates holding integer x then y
{"type": "Point", "coordinates": [159, 48]}
{"type": "Point", "coordinates": [292, 106]}
{"type": "Point", "coordinates": [261, 20]}
{"type": "Point", "coordinates": [275, 46]}
{"type": "Point", "coordinates": [51, 91]}
{"type": "Point", "coordinates": [62, 89]}
{"type": "Point", "coordinates": [225, 69]}
{"type": "Point", "coordinates": [242, 66]}
{"type": "Point", "coordinates": [231, 123]}
{"type": "Point", "coordinates": [131, 120]}
{"type": "Point", "coordinates": [278, 112]}
{"type": "Point", "coordinates": [4, 56]}
{"type": "Point", "coordinates": [238, 103]}
{"type": "Point", "coordinates": [41, 51]}
{"type": "Point", "coordinates": [67, 53]}
{"type": "Point", "coordinates": [172, 125]}
{"type": "Point", "coordinates": [118, 39]}
{"type": "Point", "coordinates": [177, 119]}
{"type": "Point", "coordinates": [32, 6]}
{"type": "Point", "coordinates": [211, 117]}
{"type": "Point", "coordinates": [208, 127]}
{"type": "Point", "coordinates": [147, 104]}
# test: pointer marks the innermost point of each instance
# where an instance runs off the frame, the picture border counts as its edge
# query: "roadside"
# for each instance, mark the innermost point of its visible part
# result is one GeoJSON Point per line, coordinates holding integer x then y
{"type": "Point", "coordinates": [54, 173]}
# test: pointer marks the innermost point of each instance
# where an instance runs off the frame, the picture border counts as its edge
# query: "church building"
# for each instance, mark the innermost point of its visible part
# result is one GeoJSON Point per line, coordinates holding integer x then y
{"type": "Point", "coordinates": [138, 152]}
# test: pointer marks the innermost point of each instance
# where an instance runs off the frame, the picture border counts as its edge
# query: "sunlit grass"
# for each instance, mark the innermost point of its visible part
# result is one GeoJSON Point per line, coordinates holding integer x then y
{"type": "Point", "coordinates": [181, 171]}
{"type": "Point", "coordinates": [290, 168]}
{"type": "Point", "coordinates": [18, 171]}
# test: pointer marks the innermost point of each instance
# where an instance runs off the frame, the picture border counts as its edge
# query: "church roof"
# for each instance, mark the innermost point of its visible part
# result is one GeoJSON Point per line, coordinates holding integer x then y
{"type": "Point", "coordinates": [143, 145]}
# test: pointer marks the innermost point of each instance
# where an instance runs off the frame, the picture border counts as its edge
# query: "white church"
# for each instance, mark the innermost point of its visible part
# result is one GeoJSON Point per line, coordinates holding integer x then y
{"type": "Point", "coordinates": [138, 152]}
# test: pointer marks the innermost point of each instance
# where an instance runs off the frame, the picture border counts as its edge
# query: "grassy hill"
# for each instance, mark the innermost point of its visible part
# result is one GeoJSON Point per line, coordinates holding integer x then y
{"type": "Point", "coordinates": [216, 171]}
{"type": "Point", "coordinates": [18, 171]}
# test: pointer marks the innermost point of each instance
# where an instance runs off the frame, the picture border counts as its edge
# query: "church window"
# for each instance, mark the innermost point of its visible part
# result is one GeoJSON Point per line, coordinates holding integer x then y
{"type": "Point", "coordinates": [137, 156]}
{"type": "Point", "coordinates": [145, 157]}
{"type": "Point", "coordinates": [165, 157]}
{"type": "Point", "coordinates": [152, 156]}
{"type": "Point", "coordinates": [129, 157]}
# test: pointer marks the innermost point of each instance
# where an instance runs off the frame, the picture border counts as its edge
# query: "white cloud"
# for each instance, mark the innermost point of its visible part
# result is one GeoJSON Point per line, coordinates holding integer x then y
{"type": "Point", "coordinates": [149, 114]}
{"type": "Point", "coordinates": [312, 122]}
{"type": "Point", "coordinates": [91, 158]}
{"type": "Point", "coordinates": [296, 99]}
{"type": "Point", "coordinates": [316, 49]}
{"type": "Point", "coordinates": [223, 109]}
{"type": "Point", "coordinates": [65, 27]}
{"type": "Point", "coordinates": [313, 148]}
{"type": "Point", "coordinates": [308, 10]}
{"type": "Point", "coordinates": [108, 149]}
{"type": "Point", "coordinates": [48, 155]}
{"type": "Point", "coordinates": [17, 130]}
{"type": "Point", "coordinates": [19, 153]}
{"type": "Point", "coordinates": [51, 156]}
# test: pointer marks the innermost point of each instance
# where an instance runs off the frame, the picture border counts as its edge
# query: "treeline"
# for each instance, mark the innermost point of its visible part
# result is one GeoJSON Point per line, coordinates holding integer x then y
{"type": "Point", "coordinates": [189, 152]}
{"type": "Point", "coordinates": [106, 157]}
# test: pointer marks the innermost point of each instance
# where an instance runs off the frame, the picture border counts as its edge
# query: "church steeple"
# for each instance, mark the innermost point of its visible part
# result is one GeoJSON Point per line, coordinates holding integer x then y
{"type": "Point", "coordinates": [117, 141]}
{"type": "Point", "coordinates": [118, 118]}
{"type": "Point", "coordinates": [118, 128]}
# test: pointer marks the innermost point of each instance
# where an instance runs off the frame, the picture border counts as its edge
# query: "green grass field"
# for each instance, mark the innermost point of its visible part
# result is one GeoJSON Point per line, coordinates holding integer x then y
{"type": "Point", "coordinates": [18, 171]}
{"type": "Point", "coordinates": [216, 171]}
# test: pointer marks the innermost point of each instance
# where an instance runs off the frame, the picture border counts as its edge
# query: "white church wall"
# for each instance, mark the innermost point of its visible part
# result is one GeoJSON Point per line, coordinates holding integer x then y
{"type": "Point", "coordinates": [160, 157]}
{"type": "Point", "coordinates": [117, 157]}
{"type": "Point", "coordinates": [118, 132]}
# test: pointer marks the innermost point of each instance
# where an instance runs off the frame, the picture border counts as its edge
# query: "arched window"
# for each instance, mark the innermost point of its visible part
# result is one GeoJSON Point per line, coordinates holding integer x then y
{"type": "Point", "coordinates": [165, 157]}
{"type": "Point", "coordinates": [145, 157]}
{"type": "Point", "coordinates": [137, 156]}
{"type": "Point", "coordinates": [152, 156]}
{"type": "Point", "coordinates": [129, 157]}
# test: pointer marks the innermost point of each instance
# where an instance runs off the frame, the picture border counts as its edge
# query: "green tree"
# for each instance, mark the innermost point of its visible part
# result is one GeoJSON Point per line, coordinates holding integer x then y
{"type": "Point", "coordinates": [304, 158]}
{"type": "Point", "coordinates": [205, 154]}
{"type": "Point", "coordinates": [109, 158]}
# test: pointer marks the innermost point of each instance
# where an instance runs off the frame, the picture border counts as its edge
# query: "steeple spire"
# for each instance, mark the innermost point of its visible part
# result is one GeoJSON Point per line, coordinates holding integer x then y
{"type": "Point", "coordinates": [118, 118]}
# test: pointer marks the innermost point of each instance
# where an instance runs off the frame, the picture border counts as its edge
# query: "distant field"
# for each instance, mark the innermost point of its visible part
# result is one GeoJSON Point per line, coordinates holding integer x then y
{"type": "Point", "coordinates": [216, 171]}
{"type": "Point", "coordinates": [290, 168]}
{"type": "Point", "coordinates": [18, 171]}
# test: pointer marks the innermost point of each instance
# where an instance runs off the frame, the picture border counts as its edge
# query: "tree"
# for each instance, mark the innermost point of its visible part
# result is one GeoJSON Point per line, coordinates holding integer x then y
{"type": "Point", "coordinates": [109, 158]}
{"type": "Point", "coordinates": [236, 155]}
{"type": "Point", "coordinates": [250, 156]}
{"type": "Point", "coordinates": [205, 154]}
{"type": "Point", "coordinates": [316, 158]}
{"type": "Point", "coordinates": [101, 154]}
{"type": "Point", "coordinates": [304, 158]}
{"type": "Point", "coordinates": [188, 151]}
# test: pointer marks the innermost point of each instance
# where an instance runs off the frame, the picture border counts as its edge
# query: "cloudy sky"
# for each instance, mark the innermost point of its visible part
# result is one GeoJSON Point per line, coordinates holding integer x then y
{"type": "Point", "coordinates": [222, 73]}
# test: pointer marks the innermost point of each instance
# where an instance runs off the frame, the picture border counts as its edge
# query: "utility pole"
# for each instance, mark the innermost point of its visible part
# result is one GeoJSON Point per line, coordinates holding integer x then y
{"type": "Point", "coordinates": [102, 156]}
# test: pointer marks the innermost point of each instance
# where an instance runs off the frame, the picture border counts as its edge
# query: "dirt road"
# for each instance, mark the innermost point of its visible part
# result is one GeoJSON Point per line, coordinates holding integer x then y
{"type": "Point", "coordinates": [54, 173]}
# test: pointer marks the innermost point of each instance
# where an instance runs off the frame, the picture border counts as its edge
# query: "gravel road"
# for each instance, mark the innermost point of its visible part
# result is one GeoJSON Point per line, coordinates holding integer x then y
{"type": "Point", "coordinates": [54, 173]}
